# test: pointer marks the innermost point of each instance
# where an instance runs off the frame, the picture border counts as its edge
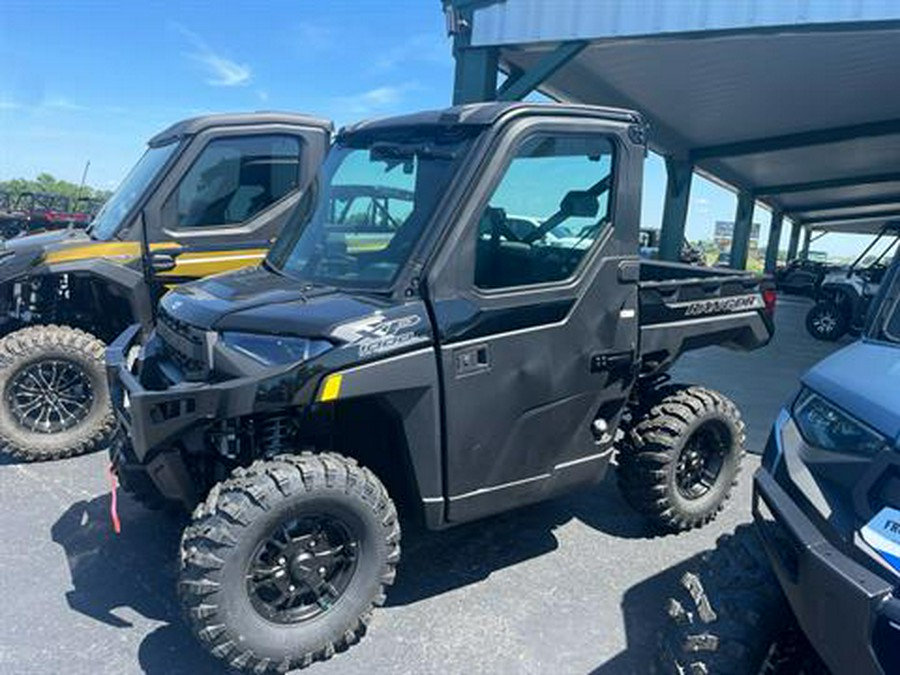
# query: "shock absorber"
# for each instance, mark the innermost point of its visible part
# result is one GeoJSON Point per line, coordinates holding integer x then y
{"type": "Point", "coordinates": [274, 435]}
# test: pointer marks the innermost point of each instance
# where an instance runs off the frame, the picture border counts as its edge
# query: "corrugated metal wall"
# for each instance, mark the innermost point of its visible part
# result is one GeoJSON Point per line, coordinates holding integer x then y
{"type": "Point", "coordinates": [522, 21]}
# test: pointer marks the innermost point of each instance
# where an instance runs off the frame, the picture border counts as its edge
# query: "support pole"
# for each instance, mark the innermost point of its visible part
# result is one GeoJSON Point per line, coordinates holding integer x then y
{"type": "Point", "coordinates": [476, 75]}
{"type": "Point", "coordinates": [743, 223]}
{"type": "Point", "coordinates": [807, 236]}
{"type": "Point", "coordinates": [774, 241]}
{"type": "Point", "coordinates": [795, 240]}
{"type": "Point", "coordinates": [678, 192]}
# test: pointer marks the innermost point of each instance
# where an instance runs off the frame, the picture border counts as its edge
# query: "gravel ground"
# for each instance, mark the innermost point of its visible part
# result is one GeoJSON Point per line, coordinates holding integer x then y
{"type": "Point", "coordinates": [575, 585]}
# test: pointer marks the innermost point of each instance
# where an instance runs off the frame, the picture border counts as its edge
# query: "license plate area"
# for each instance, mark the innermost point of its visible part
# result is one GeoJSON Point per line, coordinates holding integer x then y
{"type": "Point", "coordinates": [882, 533]}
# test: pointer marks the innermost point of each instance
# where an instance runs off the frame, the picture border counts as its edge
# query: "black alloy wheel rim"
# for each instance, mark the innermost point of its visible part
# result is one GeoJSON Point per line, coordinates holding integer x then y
{"type": "Point", "coordinates": [302, 568]}
{"type": "Point", "coordinates": [701, 460]}
{"type": "Point", "coordinates": [50, 396]}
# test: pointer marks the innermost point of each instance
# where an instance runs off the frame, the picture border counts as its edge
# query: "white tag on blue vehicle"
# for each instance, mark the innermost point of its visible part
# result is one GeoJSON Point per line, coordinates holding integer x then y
{"type": "Point", "coordinates": [883, 534]}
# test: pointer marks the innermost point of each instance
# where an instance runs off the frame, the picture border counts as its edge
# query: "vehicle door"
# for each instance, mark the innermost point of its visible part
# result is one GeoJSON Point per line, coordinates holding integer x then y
{"type": "Point", "coordinates": [538, 325]}
{"type": "Point", "coordinates": [229, 195]}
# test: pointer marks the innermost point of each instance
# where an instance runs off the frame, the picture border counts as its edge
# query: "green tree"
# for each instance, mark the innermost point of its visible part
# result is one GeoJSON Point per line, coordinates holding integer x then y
{"type": "Point", "coordinates": [45, 182]}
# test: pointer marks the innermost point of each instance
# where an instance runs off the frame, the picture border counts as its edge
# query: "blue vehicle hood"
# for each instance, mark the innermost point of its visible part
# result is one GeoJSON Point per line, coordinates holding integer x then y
{"type": "Point", "coordinates": [864, 380]}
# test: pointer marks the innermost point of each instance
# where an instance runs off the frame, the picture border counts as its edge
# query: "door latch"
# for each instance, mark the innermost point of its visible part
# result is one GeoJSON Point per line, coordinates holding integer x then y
{"type": "Point", "coordinates": [619, 366]}
{"type": "Point", "coordinates": [472, 360]}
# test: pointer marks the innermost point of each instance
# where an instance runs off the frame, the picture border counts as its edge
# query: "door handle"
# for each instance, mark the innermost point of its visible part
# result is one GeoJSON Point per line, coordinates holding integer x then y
{"type": "Point", "coordinates": [471, 360]}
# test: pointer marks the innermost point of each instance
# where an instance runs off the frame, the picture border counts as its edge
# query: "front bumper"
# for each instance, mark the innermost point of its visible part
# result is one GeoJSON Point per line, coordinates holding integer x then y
{"type": "Point", "coordinates": [849, 614]}
{"type": "Point", "coordinates": [153, 419]}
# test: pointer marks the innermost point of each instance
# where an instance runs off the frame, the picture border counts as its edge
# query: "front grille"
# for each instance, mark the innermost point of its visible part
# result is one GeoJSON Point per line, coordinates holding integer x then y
{"type": "Point", "coordinates": [185, 345]}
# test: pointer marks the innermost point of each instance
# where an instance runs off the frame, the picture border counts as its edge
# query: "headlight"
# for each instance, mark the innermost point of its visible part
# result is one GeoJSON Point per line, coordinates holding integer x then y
{"type": "Point", "coordinates": [274, 350]}
{"type": "Point", "coordinates": [826, 426]}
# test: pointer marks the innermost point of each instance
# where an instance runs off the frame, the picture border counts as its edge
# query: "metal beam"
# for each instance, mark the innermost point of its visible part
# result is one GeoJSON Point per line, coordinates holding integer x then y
{"type": "Point", "coordinates": [804, 250]}
{"type": "Point", "coordinates": [515, 89]}
{"type": "Point", "coordinates": [894, 213]}
{"type": "Point", "coordinates": [794, 243]}
{"type": "Point", "coordinates": [800, 140]}
{"type": "Point", "coordinates": [743, 224]}
{"type": "Point", "coordinates": [774, 241]}
{"type": "Point", "coordinates": [887, 200]}
{"type": "Point", "coordinates": [812, 186]}
{"type": "Point", "coordinates": [476, 75]}
{"type": "Point", "coordinates": [680, 173]}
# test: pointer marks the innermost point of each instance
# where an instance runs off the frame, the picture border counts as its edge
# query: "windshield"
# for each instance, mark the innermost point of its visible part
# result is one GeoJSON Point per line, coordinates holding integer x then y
{"type": "Point", "coordinates": [374, 198]}
{"type": "Point", "coordinates": [109, 219]}
{"type": "Point", "coordinates": [883, 321]}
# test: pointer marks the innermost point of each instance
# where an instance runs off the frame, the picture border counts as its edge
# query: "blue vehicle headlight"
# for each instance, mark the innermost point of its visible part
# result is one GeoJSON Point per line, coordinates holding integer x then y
{"type": "Point", "coordinates": [826, 426]}
{"type": "Point", "coordinates": [274, 350]}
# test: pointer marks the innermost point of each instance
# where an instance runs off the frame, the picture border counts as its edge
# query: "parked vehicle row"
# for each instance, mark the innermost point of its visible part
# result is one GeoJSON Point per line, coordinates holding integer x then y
{"type": "Point", "coordinates": [439, 330]}
{"type": "Point", "coordinates": [453, 321]}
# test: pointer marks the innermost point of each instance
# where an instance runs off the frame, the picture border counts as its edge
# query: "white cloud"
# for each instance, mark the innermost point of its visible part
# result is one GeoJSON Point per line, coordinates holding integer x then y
{"type": "Point", "coordinates": [417, 49]}
{"type": "Point", "coordinates": [221, 71]}
{"type": "Point", "coordinates": [379, 99]}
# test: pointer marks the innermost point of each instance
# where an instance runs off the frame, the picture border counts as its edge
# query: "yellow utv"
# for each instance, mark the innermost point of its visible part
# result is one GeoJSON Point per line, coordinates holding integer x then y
{"type": "Point", "coordinates": [209, 195]}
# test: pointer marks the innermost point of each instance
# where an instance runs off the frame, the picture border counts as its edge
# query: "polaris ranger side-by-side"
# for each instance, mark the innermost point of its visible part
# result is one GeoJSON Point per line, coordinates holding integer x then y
{"type": "Point", "coordinates": [208, 195]}
{"type": "Point", "coordinates": [496, 347]}
{"type": "Point", "coordinates": [821, 566]}
{"type": "Point", "coordinates": [843, 296]}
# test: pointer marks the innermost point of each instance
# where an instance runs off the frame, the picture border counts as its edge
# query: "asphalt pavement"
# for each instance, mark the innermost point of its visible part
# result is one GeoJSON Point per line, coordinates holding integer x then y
{"type": "Point", "coordinates": [575, 585]}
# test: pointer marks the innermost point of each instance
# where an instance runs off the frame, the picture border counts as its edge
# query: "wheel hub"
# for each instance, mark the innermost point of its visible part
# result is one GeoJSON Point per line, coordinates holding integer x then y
{"type": "Point", "coordinates": [50, 396]}
{"type": "Point", "coordinates": [302, 569]}
{"type": "Point", "coordinates": [700, 461]}
{"type": "Point", "coordinates": [825, 323]}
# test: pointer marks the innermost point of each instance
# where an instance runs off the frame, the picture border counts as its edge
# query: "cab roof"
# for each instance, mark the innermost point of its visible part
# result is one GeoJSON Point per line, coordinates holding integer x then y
{"type": "Point", "coordinates": [486, 114]}
{"type": "Point", "coordinates": [195, 125]}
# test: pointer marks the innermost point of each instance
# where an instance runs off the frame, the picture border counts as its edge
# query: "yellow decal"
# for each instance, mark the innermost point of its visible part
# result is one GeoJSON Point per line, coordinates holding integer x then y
{"type": "Point", "coordinates": [124, 251]}
{"type": "Point", "coordinates": [204, 263]}
{"type": "Point", "coordinates": [332, 388]}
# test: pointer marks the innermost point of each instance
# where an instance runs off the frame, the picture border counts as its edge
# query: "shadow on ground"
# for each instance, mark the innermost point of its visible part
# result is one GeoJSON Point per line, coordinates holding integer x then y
{"type": "Point", "coordinates": [137, 569]}
{"type": "Point", "coordinates": [643, 614]}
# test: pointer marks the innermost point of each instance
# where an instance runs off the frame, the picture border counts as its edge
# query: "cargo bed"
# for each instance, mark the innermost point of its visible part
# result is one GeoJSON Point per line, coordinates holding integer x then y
{"type": "Point", "coordinates": [684, 307]}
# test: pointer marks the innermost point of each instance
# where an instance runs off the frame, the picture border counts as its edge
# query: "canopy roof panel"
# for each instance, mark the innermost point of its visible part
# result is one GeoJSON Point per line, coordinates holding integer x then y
{"type": "Point", "coordinates": [763, 94]}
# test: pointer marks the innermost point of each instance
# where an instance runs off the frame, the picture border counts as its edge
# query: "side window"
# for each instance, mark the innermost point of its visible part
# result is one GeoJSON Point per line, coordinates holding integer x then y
{"type": "Point", "coordinates": [235, 178]}
{"type": "Point", "coordinates": [548, 210]}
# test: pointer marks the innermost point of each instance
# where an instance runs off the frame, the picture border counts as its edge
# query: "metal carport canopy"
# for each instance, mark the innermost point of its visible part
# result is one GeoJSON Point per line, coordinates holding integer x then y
{"type": "Point", "coordinates": [795, 103]}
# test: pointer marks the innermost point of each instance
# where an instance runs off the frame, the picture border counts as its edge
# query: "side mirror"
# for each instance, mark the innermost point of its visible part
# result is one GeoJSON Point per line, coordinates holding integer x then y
{"type": "Point", "coordinates": [162, 262]}
{"type": "Point", "coordinates": [580, 204]}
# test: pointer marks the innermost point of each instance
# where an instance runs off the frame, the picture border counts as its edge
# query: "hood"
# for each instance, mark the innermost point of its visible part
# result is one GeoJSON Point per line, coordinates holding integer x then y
{"type": "Point", "coordinates": [259, 301]}
{"type": "Point", "coordinates": [34, 242]}
{"type": "Point", "coordinates": [864, 380]}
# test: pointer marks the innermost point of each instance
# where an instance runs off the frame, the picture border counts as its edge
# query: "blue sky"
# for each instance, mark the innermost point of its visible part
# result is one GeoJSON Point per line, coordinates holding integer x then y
{"type": "Point", "coordinates": [91, 80]}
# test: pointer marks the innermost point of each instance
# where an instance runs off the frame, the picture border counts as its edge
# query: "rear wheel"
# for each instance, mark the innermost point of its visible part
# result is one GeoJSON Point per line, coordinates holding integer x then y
{"type": "Point", "coordinates": [680, 457]}
{"type": "Point", "coordinates": [729, 617]}
{"type": "Point", "coordinates": [285, 561]}
{"type": "Point", "coordinates": [826, 321]}
{"type": "Point", "coordinates": [54, 400]}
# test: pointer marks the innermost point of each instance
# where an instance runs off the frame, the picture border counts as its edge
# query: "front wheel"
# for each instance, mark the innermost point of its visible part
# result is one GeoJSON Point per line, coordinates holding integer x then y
{"type": "Point", "coordinates": [729, 616]}
{"type": "Point", "coordinates": [825, 321]}
{"type": "Point", "coordinates": [284, 562]}
{"type": "Point", "coordinates": [54, 400]}
{"type": "Point", "coordinates": [681, 455]}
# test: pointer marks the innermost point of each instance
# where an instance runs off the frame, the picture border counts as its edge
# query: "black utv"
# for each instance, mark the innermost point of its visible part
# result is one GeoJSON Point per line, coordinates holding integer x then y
{"type": "Point", "coordinates": [209, 195]}
{"type": "Point", "coordinates": [821, 566]}
{"type": "Point", "coordinates": [495, 343]}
